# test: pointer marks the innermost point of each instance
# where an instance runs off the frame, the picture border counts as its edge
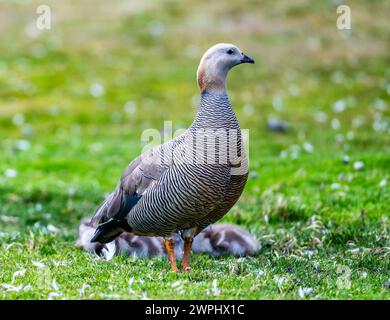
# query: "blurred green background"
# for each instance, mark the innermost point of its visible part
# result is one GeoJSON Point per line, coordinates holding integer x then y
{"type": "Point", "coordinates": [75, 99]}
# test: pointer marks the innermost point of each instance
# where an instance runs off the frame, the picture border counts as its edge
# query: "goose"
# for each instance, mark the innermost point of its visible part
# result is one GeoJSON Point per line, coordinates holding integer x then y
{"type": "Point", "coordinates": [225, 240]}
{"type": "Point", "coordinates": [215, 240]}
{"type": "Point", "coordinates": [190, 182]}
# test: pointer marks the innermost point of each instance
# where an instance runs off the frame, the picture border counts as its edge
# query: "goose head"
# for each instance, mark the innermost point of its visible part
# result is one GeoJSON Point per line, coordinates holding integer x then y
{"type": "Point", "coordinates": [215, 65]}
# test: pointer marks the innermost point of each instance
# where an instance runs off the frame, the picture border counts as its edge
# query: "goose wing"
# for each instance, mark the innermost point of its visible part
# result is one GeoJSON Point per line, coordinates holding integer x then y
{"type": "Point", "coordinates": [138, 177]}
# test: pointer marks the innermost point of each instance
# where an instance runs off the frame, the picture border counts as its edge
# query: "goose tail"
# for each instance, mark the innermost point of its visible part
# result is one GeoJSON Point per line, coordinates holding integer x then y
{"type": "Point", "coordinates": [109, 230]}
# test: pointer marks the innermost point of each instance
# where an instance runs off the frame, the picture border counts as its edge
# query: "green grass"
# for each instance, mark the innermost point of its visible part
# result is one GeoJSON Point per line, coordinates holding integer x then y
{"type": "Point", "coordinates": [322, 225]}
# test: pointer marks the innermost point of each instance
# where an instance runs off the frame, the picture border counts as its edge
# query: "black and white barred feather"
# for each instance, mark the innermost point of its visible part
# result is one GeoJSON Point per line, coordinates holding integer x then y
{"type": "Point", "coordinates": [187, 183]}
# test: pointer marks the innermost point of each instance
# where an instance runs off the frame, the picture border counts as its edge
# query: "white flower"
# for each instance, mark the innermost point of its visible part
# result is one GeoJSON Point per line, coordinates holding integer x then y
{"type": "Point", "coordinates": [283, 154]}
{"type": "Point", "coordinates": [305, 291]}
{"type": "Point", "coordinates": [339, 137]}
{"type": "Point", "coordinates": [383, 183]}
{"type": "Point", "coordinates": [309, 253]}
{"type": "Point", "coordinates": [18, 119]}
{"type": "Point", "coordinates": [294, 90]}
{"type": "Point", "coordinates": [358, 165]}
{"type": "Point", "coordinates": [9, 219]}
{"type": "Point", "coordinates": [54, 284]}
{"type": "Point", "coordinates": [339, 106]}
{"type": "Point", "coordinates": [145, 296]}
{"type": "Point", "coordinates": [350, 135]}
{"type": "Point", "coordinates": [261, 273]}
{"type": "Point", "coordinates": [11, 173]}
{"type": "Point", "coordinates": [10, 287]}
{"type": "Point", "coordinates": [96, 90]}
{"type": "Point", "coordinates": [335, 186]}
{"type": "Point", "coordinates": [335, 124]}
{"type": "Point", "coordinates": [279, 280]}
{"type": "Point", "coordinates": [277, 103]}
{"type": "Point", "coordinates": [110, 296]}
{"type": "Point", "coordinates": [52, 229]}
{"type": "Point", "coordinates": [248, 109]}
{"type": "Point", "coordinates": [380, 104]}
{"type": "Point", "coordinates": [39, 265]}
{"type": "Point", "coordinates": [13, 244]}
{"type": "Point", "coordinates": [72, 191]}
{"type": "Point", "coordinates": [216, 290]}
{"type": "Point", "coordinates": [320, 117]}
{"type": "Point", "coordinates": [176, 283]}
{"type": "Point", "coordinates": [156, 28]}
{"type": "Point", "coordinates": [96, 147]}
{"type": "Point", "coordinates": [130, 107]}
{"type": "Point", "coordinates": [83, 288]}
{"type": "Point", "coordinates": [308, 147]}
{"type": "Point", "coordinates": [346, 159]}
{"type": "Point", "coordinates": [28, 287]}
{"type": "Point", "coordinates": [23, 145]}
{"type": "Point", "coordinates": [53, 295]}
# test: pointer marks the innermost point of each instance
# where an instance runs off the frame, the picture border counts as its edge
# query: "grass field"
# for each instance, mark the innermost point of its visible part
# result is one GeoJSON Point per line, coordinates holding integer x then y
{"type": "Point", "coordinates": [75, 99]}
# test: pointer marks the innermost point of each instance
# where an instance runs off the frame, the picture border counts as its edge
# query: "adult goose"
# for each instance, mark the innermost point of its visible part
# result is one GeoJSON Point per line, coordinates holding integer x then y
{"type": "Point", "coordinates": [187, 183]}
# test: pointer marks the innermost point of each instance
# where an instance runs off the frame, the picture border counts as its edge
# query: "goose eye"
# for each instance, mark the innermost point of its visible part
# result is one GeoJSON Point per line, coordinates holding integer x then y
{"type": "Point", "coordinates": [230, 51]}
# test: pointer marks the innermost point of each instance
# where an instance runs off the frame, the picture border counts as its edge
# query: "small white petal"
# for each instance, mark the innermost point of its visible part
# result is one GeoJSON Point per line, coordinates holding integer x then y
{"type": "Point", "coordinates": [216, 290]}
{"type": "Point", "coordinates": [304, 292]}
{"type": "Point", "coordinates": [277, 103]}
{"type": "Point", "coordinates": [339, 106]}
{"type": "Point", "coordinates": [96, 90]}
{"type": "Point", "coordinates": [10, 287]}
{"type": "Point", "coordinates": [54, 284]}
{"type": "Point", "coordinates": [130, 107]}
{"type": "Point", "coordinates": [320, 117]}
{"type": "Point", "coordinates": [261, 273]}
{"type": "Point", "coordinates": [383, 183]}
{"type": "Point", "coordinates": [176, 283]}
{"type": "Point", "coordinates": [308, 147]}
{"type": "Point", "coordinates": [83, 288]}
{"type": "Point", "coordinates": [335, 186]}
{"type": "Point", "coordinates": [109, 250]}
{"type": "Point", "coordinates": [294, 90]}
{"type": "Point", "coordinates": [52, 229]}
{"type": "Point", "coordinates": [18, 119]}
{"type": "Point", "coordinates": [39, 265]}
{"type": "Point", "coordinates": [110, 296]}
{"type": "Point", "coordinates": [53, 295]}
{"type": "Point", "coordinates": [11, 173]}
{"type": "Point", "coordinates": [335, 124]}
{"type": "Point", "coordinates": [248, 109]}
{"type": "Point", "coordinates": [346, 159]}
{"type": "Point", "coordinates": [358, 165]}
{"type": "Point", "coordinates": [23, 145]}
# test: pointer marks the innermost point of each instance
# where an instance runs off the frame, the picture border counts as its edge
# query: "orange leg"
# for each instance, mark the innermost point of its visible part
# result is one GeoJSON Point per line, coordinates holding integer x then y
{"type": "Point", "coordinates": [170, 247]}
{"type": "Point", "coordinates": [186, 254]}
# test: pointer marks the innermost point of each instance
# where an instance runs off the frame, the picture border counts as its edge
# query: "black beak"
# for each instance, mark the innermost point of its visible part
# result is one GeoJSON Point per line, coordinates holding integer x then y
{"type": "Point", "coordinates": [247, 59]}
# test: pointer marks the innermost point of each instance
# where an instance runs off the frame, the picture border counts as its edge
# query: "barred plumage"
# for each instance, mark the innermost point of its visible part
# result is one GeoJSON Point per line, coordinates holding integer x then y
{"type": "Point", "coordinates": [191, 181]}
